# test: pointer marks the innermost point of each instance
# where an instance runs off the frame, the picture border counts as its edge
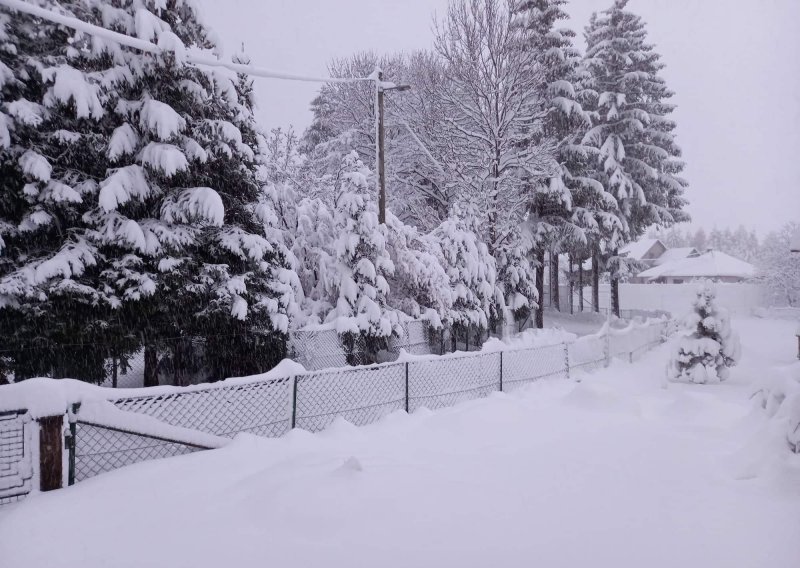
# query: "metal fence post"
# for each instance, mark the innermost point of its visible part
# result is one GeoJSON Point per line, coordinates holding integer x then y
{"type": "Point", "coordinates": [501, 371]}
{"type": "Point", "coordinates": [294, 401]}
{"type": "Point", "coordinates": [72, 442]}
{"type": "Point", "coordinates": [406, 386]}
{"type": "Point", "coordinates": [566, 358]}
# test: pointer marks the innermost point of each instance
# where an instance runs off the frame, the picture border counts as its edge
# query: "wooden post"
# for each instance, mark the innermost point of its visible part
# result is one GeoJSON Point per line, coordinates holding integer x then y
{"type": "Point", "coordinates": [580, 283]}
{"type": "Point", "coordinates": [380, 148]}
{"type": "Point", "coordinates": [540, 289]}
{"type": "Point", "coordinates": [51, 445]}
{"type": "Point", "coordinates": [555, 299]}
{"type": "Point", "coordinates": [596, 279]}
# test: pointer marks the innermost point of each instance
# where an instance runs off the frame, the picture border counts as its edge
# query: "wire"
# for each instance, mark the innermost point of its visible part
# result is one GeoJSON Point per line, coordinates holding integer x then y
{"type": "Point", "coordinates": [146, 46]}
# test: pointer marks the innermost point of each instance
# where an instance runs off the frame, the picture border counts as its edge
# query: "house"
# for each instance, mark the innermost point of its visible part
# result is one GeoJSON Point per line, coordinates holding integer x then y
{"type": "Point", "coordinates": [713, 265]}
{"type": "Point", "coordinates": [646, 251]}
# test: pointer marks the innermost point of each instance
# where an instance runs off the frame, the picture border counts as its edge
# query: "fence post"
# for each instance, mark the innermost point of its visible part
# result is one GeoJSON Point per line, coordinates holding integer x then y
{"type": "Point", "coordinates": [501, 371]}
{"type": "Point", "coordinates": [50, 452]}
{"type": "Point", "coordinates": [406, 386]}
{"type": "Point", "coordinates": [294, 401]}
{"type": "Point", "coordinates": [608, 345]}
{"type": "Point", "coordinates": [72, 442]}
{"type": "Point", "coordinates": [566, 358]}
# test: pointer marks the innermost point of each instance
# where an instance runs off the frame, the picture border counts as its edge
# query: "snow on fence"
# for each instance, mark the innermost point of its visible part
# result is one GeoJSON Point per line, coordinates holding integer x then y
{"type": "Point", "coordinates": [111, 429]}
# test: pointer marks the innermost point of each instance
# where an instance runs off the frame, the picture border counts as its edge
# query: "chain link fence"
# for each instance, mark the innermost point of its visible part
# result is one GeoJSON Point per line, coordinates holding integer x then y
{"type": "Point", "coordinates": [271, 407]}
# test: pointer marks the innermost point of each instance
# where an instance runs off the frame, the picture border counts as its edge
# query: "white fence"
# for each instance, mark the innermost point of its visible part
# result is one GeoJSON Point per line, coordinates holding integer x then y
{"type": "Point", "coordinates": [739, 299]}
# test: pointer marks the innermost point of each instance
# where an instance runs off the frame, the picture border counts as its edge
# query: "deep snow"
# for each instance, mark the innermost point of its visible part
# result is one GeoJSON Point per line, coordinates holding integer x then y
{"type": "Point", "coordinates": [619, 469]}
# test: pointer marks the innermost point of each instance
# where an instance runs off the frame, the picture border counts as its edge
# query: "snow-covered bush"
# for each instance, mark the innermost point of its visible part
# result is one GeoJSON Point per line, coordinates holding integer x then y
{"type": "Point", "coordinates": [707, 354]}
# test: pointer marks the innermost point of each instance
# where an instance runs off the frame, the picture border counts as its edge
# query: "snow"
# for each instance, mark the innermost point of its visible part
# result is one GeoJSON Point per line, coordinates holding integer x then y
{"type": "Point", "coordinates": [161, 119]}
{"type": "Point", "coordinates": [638, 249]}
{"type": "Point", "coordinates": [102, 412]}
{"type": "Point", "coordinates": [674, 254]}
{"type": "Point", "coordinates": [614, 470]}
{"type": "Point", "coordinates": [713, 264]}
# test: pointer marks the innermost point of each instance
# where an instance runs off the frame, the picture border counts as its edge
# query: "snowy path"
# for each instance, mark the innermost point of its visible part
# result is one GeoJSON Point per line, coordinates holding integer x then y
{"type": "Point", "coordinates": [614, 471]}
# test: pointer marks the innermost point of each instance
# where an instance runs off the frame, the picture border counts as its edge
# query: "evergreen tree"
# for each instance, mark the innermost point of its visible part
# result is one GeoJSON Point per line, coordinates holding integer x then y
{"type": "Point", "coordinates": [632, 134]}
{"type": "Point", "coordinates": [471, 271]}
{"type": "Point", "coordinates": [707, 355]}
{"type": "Point", "coordinates": [160, 175]}
{"type": "Point", "coordinates": [363, 265]}
{"type": "Point", "coordinates": [563, 207]}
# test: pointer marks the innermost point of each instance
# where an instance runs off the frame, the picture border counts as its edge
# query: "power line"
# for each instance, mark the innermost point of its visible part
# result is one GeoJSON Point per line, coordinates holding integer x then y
{"type": "Point", "coordinates": [149, 47]}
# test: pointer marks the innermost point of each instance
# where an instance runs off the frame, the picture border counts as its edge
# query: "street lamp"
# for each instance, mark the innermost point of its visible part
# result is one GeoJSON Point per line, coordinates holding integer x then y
{"type": "Point", "coordinates": [381, 87]}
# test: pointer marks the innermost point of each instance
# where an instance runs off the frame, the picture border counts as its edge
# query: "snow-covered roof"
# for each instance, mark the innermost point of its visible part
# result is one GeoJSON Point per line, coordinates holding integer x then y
{"type": "Point", "coordinates": [713, 264]}
{"type": "Point", "coordinates": [795, 246]}
{"type": "Point", "coordinates": [638, 250]}
{"type": "Point", "coordinates": [674, 254]}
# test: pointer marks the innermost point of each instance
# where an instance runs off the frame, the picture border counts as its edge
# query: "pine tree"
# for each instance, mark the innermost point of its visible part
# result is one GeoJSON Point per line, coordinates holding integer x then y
{"type": "Point", "coordinates": [563, 206]}
{"type": "Point", "coordinates": [163, 159]}
{"type": "Point", "coordinates": [633, 135]}
{"type": "Point", "coordinates": [707, 355]}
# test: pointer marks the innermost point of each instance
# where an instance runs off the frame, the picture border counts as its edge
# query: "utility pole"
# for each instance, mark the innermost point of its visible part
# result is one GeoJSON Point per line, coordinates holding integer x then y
{"type": "Point", "coordinates": [380, 138]}
{"type": "Point", "coordinates": [381, 147]}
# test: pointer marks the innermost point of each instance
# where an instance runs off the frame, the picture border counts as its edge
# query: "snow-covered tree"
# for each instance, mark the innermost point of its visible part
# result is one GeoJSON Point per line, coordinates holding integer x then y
{"type": "Point", "coordinates": [157, 162]}
{"type": "Point", "coordinates": [779, 270]}
{"type": "Point", "coordinates": [639, 159]}
{"type": "Point", "coordinates": [419, 286]}
{"type": "Point", "coordinates": [706, 355]}
{"type": "Point", "coordinates": [472, 273]}
{"type": "Point", "coordinates": [362, 266]}
{"type": "Point", "coordinates": [495, 111]}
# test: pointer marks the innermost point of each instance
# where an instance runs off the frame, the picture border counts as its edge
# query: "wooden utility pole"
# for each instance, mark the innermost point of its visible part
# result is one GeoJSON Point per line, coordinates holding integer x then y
{"type": "Point", "coordinates": [380, 143]}
{"type": "Point", "coordinates": [380, 138]}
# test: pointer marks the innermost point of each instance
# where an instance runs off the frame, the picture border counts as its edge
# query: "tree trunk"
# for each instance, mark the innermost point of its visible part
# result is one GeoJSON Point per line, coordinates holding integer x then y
{"type": "Point", "coordinates": [595, 280]}
{"type": "Point", "coordinates": [580, 283]}
{"type": "Point", "coordinates": [150, 366]}
{"type": "Point", "coordinates": [554, 282]}
{"type": "Point", "coordinates": [571, 287]}
{"type": "Point", "coordinates": [540, 289]}
{"type": "Point", "coordinates": [615, 291]}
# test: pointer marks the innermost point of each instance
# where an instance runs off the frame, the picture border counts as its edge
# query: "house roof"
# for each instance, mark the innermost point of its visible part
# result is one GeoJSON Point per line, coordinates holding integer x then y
{"type": "Point", "coordinates": [674, 254]}
{"type": "Point", "coordinates": [638, 250]}
{"type": "Point", "coordinates": [713, 264]}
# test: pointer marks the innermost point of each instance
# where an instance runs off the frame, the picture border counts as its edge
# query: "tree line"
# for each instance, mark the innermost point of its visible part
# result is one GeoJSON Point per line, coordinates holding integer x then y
{"type": "Point", "coordinates": [143, 208]}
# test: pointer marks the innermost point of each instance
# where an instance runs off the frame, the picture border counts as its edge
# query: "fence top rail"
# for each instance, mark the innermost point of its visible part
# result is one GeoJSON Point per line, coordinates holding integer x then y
{"type": "Point", "coordinates": [17, 412]}
{"type": "Point", "coordinates": [54, 396]}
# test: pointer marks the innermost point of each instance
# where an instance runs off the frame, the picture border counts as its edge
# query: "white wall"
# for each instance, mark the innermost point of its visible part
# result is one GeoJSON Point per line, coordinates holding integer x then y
{"type": "Point", "coordinates": [739, 299]}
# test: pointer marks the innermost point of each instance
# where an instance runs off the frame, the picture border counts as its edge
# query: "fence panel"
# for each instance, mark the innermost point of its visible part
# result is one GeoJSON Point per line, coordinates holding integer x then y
{"type": "Point", "coordinates": [262, 408]}
{"type": "Point", "coordinates": [360, 395]}
{"type": "Point", "coordinates": [587, 353]}
{"type": "Point", "coordinates": [99, 449]}
{"type": "Point", "coordinates": [523, 366]}
{"type": "Point", "coordinates": [16, 467]}
{"type": "Point", "coordinates": [438, 383]}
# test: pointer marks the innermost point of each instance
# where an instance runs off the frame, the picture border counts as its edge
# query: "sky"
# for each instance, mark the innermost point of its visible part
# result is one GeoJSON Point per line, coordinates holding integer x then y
{"type": "Point", "coordinates": [732, 63]}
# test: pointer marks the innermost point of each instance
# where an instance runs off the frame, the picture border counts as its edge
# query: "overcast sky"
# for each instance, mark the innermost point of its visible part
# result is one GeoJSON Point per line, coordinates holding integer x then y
{"type": "Point", "coordinates": [734, 64]}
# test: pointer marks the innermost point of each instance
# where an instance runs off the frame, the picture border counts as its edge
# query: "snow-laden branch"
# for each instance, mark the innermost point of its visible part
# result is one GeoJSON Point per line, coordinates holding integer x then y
{"type": "Point", "coordinates": [146, 46]}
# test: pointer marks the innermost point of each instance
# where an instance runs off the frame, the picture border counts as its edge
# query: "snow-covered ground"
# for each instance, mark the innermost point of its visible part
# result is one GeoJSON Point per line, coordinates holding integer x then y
{"type": "Point", "coordinates": [613, 471]}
